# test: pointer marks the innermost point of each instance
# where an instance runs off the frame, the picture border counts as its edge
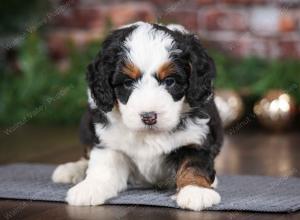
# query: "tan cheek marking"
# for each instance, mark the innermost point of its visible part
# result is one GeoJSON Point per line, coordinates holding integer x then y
{"type": "Point", "coordinates": [189, 176]}
{"type": "Point", "coordinates": [165, 70]}
{"type": "Point", "coordinates": [131, 70]}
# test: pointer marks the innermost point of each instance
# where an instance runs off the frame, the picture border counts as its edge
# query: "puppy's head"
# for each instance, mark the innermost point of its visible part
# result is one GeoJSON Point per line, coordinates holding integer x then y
{"type": "Point", "coordinates": [150, 73]}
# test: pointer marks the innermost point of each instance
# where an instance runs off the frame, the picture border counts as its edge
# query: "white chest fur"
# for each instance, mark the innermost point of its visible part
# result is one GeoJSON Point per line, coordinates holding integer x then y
{"type": "Point", "coordinates": [147, 149]}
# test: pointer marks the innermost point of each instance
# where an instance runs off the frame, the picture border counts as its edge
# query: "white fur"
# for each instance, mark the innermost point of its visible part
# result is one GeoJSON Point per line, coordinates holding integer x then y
{"type": "Point", "coordinates": [91, 101]}
{"type": "Point", "coordinates": [177, 27]}
{"type": "Point", "coordinates": [148, 48]}
{"type": "Point", "coordinates": [150, 96]}
{"type": "Point", "coordinates": [130, 148]}
{"type": "Point", "coordinates": [72, 172]}
{"type": "Point", "coordinates": [197, 198]}
{"type": "Point", "coordinates": [147, 148]}
{"type": "Point", "coordinates": [107, 174]}
{"type": "Point", "coordinates": [213, 185]}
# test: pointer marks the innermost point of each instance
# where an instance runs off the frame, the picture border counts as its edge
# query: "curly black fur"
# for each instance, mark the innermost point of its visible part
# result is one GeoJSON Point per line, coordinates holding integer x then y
{"type": "Point", "coordinates": [198, 90]}
{"type": "Point", "coordinates": [101, 70]}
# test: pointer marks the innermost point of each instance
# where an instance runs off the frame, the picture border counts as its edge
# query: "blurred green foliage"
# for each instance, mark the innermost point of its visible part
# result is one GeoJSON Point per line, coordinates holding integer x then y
{"type": "Point", "coordinates": [256, 76]}
{"type": "Point", "coordinates": [42, 93]}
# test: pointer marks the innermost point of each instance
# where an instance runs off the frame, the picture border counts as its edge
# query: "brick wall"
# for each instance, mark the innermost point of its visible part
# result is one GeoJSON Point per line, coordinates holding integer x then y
{"type": "Point", "coordinates": [264, 28]}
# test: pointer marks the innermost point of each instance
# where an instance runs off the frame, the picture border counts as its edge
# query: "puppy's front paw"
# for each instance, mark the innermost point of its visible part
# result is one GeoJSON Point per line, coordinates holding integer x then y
{"type": "Point", "coordinates": [72, 172]}
{"type": "Point", "coordinates": [88, 192]}
{"type": "Point", "coordinates": [197, 198]}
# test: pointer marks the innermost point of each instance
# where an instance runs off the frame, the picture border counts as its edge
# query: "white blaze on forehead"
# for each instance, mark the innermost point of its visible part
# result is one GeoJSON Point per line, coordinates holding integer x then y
{"type": "Point", "coordinates": [148, 48]}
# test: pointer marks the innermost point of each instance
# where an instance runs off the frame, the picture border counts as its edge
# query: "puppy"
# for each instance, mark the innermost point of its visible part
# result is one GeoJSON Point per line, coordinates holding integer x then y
{"type": "Point", "coordinates": [151, 121]}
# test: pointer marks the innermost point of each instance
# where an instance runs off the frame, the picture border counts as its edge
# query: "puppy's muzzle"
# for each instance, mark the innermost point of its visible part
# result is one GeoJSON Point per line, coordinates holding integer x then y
{"type": "Point", "coordinates": [149, 118]}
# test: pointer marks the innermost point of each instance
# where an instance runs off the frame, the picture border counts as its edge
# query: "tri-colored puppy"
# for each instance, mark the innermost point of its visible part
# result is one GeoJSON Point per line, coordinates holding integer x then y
{"type": "Point", "coordinates": [151, 120]}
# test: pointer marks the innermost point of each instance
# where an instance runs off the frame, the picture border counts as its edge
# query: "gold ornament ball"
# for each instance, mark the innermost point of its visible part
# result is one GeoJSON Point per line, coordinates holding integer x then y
{"type": "Point", "coordinates": [230, 106]}
{"type": "Point", "coordinates": [276, 110]}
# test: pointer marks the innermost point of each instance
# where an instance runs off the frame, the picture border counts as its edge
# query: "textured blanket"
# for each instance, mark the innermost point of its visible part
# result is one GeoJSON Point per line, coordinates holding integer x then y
{"type": "Point", "coordinates": [243, 193]}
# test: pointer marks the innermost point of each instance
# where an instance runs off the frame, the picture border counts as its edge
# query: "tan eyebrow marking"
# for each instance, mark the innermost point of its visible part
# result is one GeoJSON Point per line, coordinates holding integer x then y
{"type": "Point", "coordinates": [165, 70]}
{"type": "Point", "coordinates": [131, 70]}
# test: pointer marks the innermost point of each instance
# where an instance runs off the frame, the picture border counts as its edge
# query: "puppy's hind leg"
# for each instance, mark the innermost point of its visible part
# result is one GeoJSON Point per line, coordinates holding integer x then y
{"type": "Point", "coordinates": [72, 172]}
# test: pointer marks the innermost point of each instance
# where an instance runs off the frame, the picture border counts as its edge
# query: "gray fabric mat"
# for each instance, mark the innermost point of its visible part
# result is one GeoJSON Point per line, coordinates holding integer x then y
{"type": "Point", "coordinates": [243, 193]}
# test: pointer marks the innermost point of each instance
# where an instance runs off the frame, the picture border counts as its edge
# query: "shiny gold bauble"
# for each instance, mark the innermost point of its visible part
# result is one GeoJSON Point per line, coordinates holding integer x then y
{"type": "Point", "coordinates": [276, 110]}
{"type": "Point", "coordinates": [230, 106]}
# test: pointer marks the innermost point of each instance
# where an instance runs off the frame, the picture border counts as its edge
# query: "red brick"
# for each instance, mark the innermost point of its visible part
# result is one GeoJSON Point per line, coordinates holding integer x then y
{"type": "Point", "coordinates": [259, 47]}
{"type": "Point", "coordinates": [287, 23]}
{"type": "Point", "coordinates": [58, 41]}
{"type": "Point", "coordinates": [221, 22]}
{"type": "Point", "coordinates": [173, 5]}
{"type": "Point", "coordinates": [187, 18]}
{"type": "Point", "coordinates": [236, 48]}
{"type": "Point", "coordinates": [163, 3]}
{"type": "Point", "coordinates": [81, 17]}
{"type": "Point", "coordinates": [217, 19]}
{"type": "Point", "coordinates": [69, 2]}
{"type": "Point", "coordinates": [57, 46]}
{"type": "Point", "coordinates": [120, 14]}
{"type": "Point", "coordinates": [228, 47]}
{"type": "Point", "coordinates": [289, 49]}
{"type": "Point", "coordinates": [89, 17]}
{"type": "Point", "coordinates": [288, 3]}
{"type": "Point", "coordinates": [296, 15]}
{"type": "Point", "coordinates": [187, 3]}
{"type": "Point", "coordinates": [205, 2]}
{"type": "Point", "coordinates": [244, 2]}
{"type": "Point", "coordinates": [244, 46]}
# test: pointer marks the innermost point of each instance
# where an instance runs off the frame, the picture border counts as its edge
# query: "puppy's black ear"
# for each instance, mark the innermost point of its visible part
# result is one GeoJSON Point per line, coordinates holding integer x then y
{"type": "Point", "coordinates": [99, 83]}
{"type": "Point", "coordinates": [101, 70]}
{"type": "Point", "coordinates": [202, 73]}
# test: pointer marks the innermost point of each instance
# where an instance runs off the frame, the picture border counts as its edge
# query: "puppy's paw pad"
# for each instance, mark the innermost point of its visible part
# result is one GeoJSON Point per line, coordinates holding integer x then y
{"type": "Point", "coordinates": [68, 173]}
{"type": "Point", "coordinates": [89, 193]}
{"type": "Point", "coordinates": [197, 198]}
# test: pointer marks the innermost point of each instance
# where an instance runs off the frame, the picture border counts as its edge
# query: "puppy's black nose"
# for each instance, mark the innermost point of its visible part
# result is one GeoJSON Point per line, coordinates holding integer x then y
{"type": "Point", "coordinates": [149, 118]}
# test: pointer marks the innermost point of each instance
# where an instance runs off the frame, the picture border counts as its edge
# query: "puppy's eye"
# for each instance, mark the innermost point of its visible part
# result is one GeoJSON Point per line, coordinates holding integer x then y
{"type": "Point", "coordinates": [128, 83]}
{"type": "Point", "coordinates": [169, 82]}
